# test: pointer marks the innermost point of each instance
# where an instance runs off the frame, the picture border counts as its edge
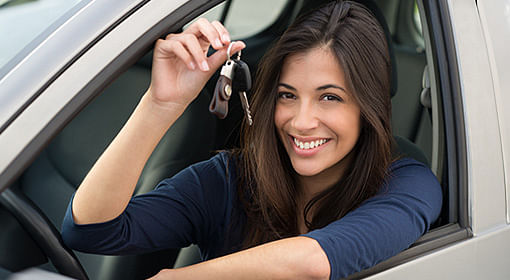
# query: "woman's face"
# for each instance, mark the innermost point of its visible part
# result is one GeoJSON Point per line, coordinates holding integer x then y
{"type": "Point", "coordinates": [316, 117]}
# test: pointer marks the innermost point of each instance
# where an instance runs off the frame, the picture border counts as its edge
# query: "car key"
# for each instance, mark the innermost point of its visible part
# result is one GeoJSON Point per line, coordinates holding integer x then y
{"type": "Point", "coordinates": [223, 89]}
{"type": "Point", "coordinates": [242, 84]}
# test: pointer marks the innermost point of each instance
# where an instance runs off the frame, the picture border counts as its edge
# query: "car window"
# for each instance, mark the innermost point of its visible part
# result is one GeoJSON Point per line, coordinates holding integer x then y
{"type": "Point", "coordinates": [26, 23]}
{"type": "Point", "coordinates": [246, 18]}
{"type": "Point", "coordinates": [61, 166]}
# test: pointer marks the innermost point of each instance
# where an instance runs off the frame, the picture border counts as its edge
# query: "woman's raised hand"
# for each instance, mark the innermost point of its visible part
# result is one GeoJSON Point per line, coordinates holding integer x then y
{"type": "Point", "coordinates": [180, 64]}
{"type": "Point", "coordinates": [180, 70]}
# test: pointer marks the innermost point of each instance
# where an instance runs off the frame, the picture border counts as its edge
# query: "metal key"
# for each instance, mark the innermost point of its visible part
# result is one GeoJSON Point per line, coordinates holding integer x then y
{"type": "Point", "coordinates": [242, 84]}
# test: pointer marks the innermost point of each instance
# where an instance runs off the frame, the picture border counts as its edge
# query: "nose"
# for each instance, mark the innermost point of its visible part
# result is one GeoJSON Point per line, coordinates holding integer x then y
{"type": "Point", "coordinates": [305, 117]}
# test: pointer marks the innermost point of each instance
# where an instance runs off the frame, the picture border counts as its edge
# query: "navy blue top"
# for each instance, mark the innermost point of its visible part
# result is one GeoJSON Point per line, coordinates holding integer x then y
{"type": "Point", "coordinates": [196, 205]}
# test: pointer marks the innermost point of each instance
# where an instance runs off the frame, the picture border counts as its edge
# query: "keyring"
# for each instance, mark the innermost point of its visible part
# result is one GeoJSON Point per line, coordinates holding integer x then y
{"type": "Point", "coordinates": [230, 48]}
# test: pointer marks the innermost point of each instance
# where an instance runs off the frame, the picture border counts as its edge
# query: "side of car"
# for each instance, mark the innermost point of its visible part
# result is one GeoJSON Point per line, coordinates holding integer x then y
{"type": "Point", "coordinates": [456, 117]}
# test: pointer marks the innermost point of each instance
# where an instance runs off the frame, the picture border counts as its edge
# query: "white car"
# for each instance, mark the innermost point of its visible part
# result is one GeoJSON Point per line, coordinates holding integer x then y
{"type": "Point", "coordinates": [72, 71]}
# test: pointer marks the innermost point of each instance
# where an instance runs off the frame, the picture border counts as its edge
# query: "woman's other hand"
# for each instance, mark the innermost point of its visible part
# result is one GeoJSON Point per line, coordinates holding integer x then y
{"type": "Point", "coordinates": [180, 64]}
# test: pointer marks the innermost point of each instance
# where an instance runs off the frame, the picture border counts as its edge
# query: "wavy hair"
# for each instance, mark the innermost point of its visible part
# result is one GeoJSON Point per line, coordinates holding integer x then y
{"type": "Point", "coordinates": [267, 183]}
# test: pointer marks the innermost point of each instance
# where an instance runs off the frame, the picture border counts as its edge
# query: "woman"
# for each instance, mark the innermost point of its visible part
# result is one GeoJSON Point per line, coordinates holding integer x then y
{"type": "Point", "coordinates": [313, 192]}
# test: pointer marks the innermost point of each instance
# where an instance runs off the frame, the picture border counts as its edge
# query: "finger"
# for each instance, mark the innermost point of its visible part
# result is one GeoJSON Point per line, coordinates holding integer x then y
{"type": "Point", "coordinates": [190, 42]}
{"type": "Point", "coordinates": [219, 57]}
{"type": "Point", "coordinates": [176, 47]}
{"type": "Point", "coordinates": [205, 28]}
{"type": "Point", "coordinates": [224, 35]}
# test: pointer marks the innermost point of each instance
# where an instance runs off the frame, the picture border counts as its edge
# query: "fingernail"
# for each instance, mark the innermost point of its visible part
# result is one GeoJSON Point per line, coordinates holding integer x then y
{"type": "Point", "coordinates": [225, 38]}
{"type": "Point", "coordinates": [218, 43]}
{"type": "Point", "coordinates": [205, 66]}
{"type": "Point", "coordinates": [192, 65]}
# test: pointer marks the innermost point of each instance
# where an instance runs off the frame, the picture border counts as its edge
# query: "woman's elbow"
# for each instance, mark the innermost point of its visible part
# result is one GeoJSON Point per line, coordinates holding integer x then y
{"type": "Point", "coordinates": [316, 263]}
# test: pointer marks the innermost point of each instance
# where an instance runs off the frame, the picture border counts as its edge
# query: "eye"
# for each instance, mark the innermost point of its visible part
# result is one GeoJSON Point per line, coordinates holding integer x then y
{"type": "Point", "coordinates": [331, 97]}
{"type": "Point", "coordinates": [286, 95]}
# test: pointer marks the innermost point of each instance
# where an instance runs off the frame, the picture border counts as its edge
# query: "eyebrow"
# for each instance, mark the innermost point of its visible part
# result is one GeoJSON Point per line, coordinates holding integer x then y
{"type": "Point", "coordinates": [319, 88]}
{"type": "Point", "coordinates": [331, 86]}
{"type": "Point", "coordinates": [287, 86]}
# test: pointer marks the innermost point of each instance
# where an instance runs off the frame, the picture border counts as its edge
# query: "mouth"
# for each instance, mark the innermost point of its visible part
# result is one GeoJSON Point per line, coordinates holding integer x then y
{"type": "Point", "coordinates": [309, 144]}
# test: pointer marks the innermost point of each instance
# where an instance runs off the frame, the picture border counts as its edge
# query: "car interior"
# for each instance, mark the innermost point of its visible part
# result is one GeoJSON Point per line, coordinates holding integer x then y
{"type": "Point", "coordinates": [50, 181]}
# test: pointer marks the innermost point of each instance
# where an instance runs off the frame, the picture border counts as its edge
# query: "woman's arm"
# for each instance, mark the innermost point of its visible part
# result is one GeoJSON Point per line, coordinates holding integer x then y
{"type": "Point", "coordinates": [180, 70]}
{"type": "Point", "coordinates": [380, 228]}
{"type": "Point", "coordinates": [289, 258]}
{"type": "Point", "coordinates": [109, 185]}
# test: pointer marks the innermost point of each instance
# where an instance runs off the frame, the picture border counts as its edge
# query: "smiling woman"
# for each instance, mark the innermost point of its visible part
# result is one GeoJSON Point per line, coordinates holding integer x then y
{"type": "Point", "coordinates": [333, 87]}
{"type": "Point", "coordinates": [312, 192]}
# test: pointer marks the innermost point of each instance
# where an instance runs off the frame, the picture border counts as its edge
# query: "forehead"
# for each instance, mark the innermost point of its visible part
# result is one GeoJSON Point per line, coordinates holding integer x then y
{"type": "Point", "coordinates": [315, 66]}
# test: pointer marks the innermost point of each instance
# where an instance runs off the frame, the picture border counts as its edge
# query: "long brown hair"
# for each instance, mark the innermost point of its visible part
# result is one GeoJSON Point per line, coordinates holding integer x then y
{"type": "Point", "coordinates": [267, 183]}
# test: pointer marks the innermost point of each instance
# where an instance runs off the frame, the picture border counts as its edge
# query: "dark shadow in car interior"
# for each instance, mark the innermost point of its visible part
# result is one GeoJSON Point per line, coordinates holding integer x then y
{"type": "Point", "coordinates": [54, 176]}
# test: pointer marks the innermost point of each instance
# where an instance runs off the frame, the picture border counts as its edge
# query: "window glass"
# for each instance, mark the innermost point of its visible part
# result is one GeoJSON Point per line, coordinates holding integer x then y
{"type": "Point", "coordinates": [26, 23]}
{"type": "Point", "coordinates": [246, 18]}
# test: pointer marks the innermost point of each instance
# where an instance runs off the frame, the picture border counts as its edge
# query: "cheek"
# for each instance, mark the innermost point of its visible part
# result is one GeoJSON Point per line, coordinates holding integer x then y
{"type": "Point", "coordinates": [281, 116]}
{"type": "Point", "coordinates": [355, 125]}
{"type": "Point", "coordinates": [346, 124]}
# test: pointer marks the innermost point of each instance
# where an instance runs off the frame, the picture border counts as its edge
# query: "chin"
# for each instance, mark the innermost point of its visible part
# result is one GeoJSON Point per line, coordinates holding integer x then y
{"type": "Point", "coordinates": [304, 169]}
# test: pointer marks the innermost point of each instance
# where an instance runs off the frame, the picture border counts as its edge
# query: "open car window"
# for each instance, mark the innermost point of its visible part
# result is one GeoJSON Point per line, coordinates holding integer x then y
{"type": "Point", "coordinates": [425, 115]}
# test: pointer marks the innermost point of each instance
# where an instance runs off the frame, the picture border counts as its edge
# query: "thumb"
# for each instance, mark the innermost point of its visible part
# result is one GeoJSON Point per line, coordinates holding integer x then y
{"type": "Point", "coordinates": [219, 57]}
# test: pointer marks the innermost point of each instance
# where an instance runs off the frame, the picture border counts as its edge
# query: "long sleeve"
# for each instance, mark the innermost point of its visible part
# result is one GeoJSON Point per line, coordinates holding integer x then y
{"type": "Point", "coordinates": [187, 208]}
{"type": "Point", "coordinates": [385, 224]}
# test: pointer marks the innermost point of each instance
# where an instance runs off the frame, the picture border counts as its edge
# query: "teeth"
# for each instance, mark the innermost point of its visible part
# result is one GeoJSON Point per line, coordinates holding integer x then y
{"type": "Point", "coordinates": [309, 145]}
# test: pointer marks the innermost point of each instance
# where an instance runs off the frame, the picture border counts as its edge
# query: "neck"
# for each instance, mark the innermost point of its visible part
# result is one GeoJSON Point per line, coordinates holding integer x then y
{"type": "Point", "coordinates": [310, 186]}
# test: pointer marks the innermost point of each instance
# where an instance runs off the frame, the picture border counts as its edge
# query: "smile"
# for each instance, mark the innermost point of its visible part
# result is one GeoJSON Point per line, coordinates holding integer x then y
{"type": "Point", "coordinates": [310, 144]}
